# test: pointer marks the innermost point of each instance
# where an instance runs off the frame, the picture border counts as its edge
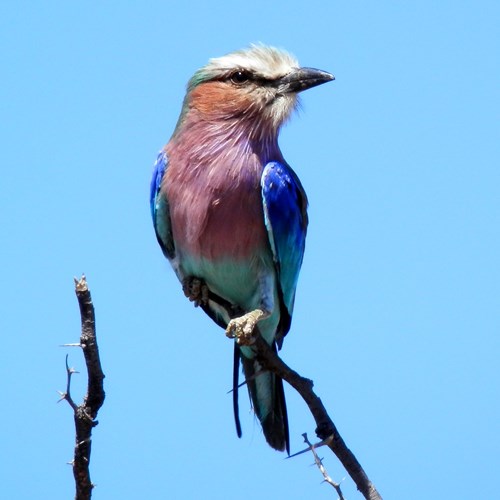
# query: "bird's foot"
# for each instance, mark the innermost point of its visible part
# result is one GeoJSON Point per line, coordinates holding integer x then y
{"type": "Point", "coordinates": [242, 328]}
{"type": "Point", "coordinates": [196, 290]}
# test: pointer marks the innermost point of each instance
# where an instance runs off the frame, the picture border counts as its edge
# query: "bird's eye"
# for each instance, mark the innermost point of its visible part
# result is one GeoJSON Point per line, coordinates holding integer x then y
{"type": "Point", "coordinates": [239, 77]}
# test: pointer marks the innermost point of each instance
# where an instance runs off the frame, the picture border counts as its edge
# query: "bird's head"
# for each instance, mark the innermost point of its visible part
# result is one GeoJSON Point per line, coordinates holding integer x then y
{"type": "Point", "coordinates": [260, 83]}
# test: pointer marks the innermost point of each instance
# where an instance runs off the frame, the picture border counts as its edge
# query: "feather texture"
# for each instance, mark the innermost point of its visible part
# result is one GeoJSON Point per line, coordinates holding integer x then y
{"type": "Point", "coordinates": [229, 211]}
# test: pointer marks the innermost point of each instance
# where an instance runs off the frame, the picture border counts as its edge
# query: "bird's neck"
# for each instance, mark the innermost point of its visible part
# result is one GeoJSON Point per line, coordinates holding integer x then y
{"type": "Point", "coordinates": [206, 140]}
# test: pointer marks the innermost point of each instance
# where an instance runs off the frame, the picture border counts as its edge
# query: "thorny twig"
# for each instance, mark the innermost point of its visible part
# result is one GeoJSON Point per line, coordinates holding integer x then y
{"type": "Point", "coordinates": [66, 396]}
{"type": "Point", "coordinates": [85, 414]}
{"type": "Point", "coordinates": [319, 462]}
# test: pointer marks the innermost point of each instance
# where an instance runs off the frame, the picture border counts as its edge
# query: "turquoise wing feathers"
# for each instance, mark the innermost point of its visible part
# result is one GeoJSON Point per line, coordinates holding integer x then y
{"type": "Point", "coordinates": [285, 215]}
{"type": "Point", "coordinates": [160, 211]}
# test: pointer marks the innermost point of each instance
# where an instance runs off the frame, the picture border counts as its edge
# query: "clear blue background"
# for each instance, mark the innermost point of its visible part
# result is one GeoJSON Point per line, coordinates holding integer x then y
{"type": "Point", "coordinates": [397, 312]}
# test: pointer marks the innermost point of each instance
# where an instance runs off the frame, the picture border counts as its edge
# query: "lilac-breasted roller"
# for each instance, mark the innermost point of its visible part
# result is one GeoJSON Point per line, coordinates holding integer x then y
{"type": "Point", "coordinates": [231, 215]}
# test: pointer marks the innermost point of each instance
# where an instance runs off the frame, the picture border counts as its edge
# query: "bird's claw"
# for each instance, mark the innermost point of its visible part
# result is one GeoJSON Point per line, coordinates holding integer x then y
{"type": "Point", "coordinates": [242, 328]}
{"type": "Point", "coordinates": [196, 290]}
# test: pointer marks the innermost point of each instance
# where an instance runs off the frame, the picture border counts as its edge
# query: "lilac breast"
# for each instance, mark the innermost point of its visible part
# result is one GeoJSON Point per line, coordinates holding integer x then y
{"type": "Point", "coordinates": [216, 209]}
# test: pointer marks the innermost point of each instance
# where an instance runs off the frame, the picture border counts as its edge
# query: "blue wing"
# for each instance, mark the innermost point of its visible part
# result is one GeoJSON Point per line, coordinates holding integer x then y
{"type": "Point", "coordinates": [285, 215]}
{"type": "Point", "coordinates": [159, 208]}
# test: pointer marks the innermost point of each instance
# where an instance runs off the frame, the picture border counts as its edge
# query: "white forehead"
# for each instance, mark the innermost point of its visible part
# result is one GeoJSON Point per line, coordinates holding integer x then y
{"type": "Point", "coordinates": [265, 61]}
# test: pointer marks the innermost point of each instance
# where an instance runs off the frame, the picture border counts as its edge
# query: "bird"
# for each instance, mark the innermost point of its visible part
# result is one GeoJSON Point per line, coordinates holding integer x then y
{"type": "Point", "coordinates": [230, 214]}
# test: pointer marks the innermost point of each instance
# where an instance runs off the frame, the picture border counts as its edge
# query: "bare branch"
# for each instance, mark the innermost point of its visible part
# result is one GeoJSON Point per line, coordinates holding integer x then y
{"type": "Point", "coordinates": [85, 414]}
{"type": "Point", "coordinates": [325, 429]}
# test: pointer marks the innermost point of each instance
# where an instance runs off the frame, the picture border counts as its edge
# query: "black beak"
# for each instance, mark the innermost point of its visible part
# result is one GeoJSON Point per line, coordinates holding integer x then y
{"type": "Point", "coordinates": [302, 79]}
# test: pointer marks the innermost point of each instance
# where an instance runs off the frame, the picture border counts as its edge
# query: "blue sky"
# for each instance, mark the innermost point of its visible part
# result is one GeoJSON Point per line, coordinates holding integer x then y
{"type": "Point", "coordinates": [397, 310]}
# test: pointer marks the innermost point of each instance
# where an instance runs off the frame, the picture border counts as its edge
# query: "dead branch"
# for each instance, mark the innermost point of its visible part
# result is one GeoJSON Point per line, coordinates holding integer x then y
{"type": "Point", "coordinates": [325, 429]}
{"type": "Point", "coordinates": [85, 414]}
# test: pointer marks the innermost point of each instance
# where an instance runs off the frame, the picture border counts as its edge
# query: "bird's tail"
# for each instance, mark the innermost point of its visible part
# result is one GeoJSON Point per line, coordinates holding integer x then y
{"type": "Point", "coordinates": [268, 400]}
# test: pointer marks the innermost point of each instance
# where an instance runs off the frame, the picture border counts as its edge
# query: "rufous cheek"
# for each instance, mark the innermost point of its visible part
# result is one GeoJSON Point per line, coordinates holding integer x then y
{"type": "Point", "coordinates": [220, 98]}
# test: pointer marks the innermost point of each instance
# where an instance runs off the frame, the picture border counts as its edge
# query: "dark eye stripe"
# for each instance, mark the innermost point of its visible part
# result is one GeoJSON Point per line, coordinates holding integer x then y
{"type": "Point", "coordinates": [242, 76]}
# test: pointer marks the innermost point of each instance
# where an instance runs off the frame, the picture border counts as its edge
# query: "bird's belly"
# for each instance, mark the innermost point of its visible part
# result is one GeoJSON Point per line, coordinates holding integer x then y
{"type": "Point", "coordinates": [238, 281]}
{"type": "Point", "coordinates": [249, 284]}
